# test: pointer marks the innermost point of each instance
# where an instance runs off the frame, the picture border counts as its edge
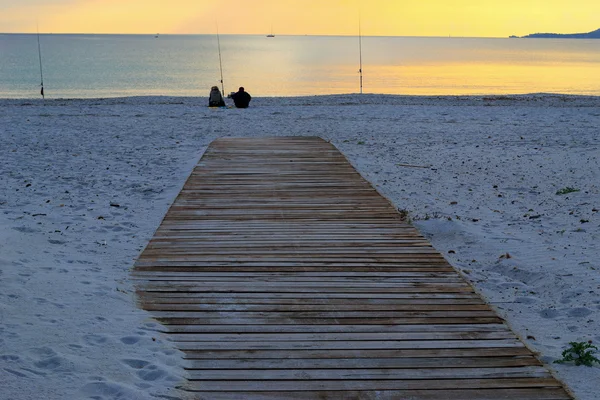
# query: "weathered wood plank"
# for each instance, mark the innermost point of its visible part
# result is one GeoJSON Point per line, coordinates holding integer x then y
{"type": "Point", "coordinates": [326, 285]}
{"type": "Point", "coordinates": [308, 298]}
{"type": "Point", "coordinates": [338, 336]}
{"type": "Point", "coordinates": [294, 265]}
{"type": "Point", "coordinates": [312, 308]}
{"type": "Point", "coordinates": [335, 328]}
{"type": "Point", "coordinates": [379, 304]}
{"type": "Point", "coordinates": [179, 320]}
{"type": "Point", "coordinates": [362, 363]}
{"type": "Point", "coordinates": [376, 354]}
{"type": "Point", "coordinates": [370, 384]}
{"type": "Point", "coordinates": [406, 288]}
{"type": "Point", "coordinates": [298, 275]}
{"type": "Point", "coordinates": [427, 394]}
{"type": "Point", "coordinates": [351, 345]}
{"type": "Point", "coordinates": [430, 373]}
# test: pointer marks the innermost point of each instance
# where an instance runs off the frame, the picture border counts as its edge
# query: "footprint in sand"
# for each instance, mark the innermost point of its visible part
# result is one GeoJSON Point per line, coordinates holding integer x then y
{"type": "Point", "coordinates": [549, 313]}
{"type": "Point", "coordinates": [579, 312]}
{"type": "Point", "coordinates": [17, 373]}
{"type": "Point", "coordinates": [95, 340]}
{"type": "Point", "coordinates": [25, 229]}
{"type": "Point", "coordinates": [135, 364]}
{"type": "Point", "coordinates": [130, 339]}
{"type": "Point", "coordinates": [106, 390]}
{"type": "Point", "coordinates": [151, 373]}
{"type": "Point", "coordinates": [52, 363]}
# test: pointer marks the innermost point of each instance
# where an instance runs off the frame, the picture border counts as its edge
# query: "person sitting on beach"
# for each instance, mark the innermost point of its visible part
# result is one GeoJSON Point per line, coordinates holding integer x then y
{"type": "Point", "coordinates": [241, 99]}
{"type": "Point", "coordinates": [215, 99]}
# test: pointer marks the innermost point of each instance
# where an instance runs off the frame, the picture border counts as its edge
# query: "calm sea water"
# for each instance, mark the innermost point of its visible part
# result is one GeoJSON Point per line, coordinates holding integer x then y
{"type": "Point", "coordinates": [84, 66]}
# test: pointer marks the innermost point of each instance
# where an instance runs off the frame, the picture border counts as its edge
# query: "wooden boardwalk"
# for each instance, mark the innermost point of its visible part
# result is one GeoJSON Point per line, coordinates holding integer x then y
{"type": "Point", "coordinates": [282, 274]}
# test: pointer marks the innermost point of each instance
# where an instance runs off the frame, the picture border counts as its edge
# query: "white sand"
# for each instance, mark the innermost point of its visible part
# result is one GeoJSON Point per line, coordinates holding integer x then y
{"type": "Point", "coordinates": [84, 184]}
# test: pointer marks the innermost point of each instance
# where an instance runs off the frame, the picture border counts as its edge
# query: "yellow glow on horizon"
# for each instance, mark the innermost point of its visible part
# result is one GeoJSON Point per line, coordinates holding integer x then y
{"type": "Point", "coordinates": [484, 18]}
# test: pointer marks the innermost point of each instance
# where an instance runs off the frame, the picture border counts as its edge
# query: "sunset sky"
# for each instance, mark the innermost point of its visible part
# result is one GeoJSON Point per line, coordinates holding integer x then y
{"type": "Point", "coordinates": [478, 18]}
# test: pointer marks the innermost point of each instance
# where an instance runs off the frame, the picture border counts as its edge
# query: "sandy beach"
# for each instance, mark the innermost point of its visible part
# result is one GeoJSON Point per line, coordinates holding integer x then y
{"type": "Point", "coordinates": [507, 188]}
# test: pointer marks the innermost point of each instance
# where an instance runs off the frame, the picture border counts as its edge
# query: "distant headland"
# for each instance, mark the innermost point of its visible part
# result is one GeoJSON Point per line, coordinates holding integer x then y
{"type": "Point", "coordinates": [590, 35]}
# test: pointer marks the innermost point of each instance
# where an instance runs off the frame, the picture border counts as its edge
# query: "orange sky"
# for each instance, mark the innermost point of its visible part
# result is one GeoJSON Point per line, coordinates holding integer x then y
{"type": "Point", "coordinates": [484, 18]}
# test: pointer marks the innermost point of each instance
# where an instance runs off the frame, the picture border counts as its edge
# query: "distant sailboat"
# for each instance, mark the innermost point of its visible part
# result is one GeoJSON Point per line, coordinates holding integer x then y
{"type": "Point", "coordinates": [271, 34]}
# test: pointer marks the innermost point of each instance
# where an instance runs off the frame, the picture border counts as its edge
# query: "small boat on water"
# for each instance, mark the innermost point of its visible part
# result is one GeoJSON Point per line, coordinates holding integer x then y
{"type": "Point", "coordinates": [270, 35]}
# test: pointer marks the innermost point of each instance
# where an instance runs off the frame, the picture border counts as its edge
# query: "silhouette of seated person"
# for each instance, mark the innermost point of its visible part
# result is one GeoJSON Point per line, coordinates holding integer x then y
{"type": "Point", "coordinates": [241, 99]}
{"type": "Point", "coordinates": [215, 99]}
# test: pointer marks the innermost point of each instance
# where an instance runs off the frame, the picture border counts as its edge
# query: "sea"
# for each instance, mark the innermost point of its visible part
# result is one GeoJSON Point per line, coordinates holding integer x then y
{"type": "Point", "coordinates": [100, 66]}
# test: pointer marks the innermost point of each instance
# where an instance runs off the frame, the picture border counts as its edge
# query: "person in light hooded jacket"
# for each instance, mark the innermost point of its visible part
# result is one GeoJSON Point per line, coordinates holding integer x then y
{"type": "Point", "coordinates": [215, 99]}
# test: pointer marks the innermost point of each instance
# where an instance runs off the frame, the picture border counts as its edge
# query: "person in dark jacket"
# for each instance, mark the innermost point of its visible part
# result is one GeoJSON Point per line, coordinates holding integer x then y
{"type": "Point", "coordinates": [241, 99]}
{"type": "Point", "coordinates": [215, 99]}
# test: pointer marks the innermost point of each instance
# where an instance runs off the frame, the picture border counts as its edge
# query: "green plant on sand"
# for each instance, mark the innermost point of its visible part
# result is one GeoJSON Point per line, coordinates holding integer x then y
{"type": "Point", "coordinates": [581, 353]}
{"type": "Point", "coordinates": [567, 190]}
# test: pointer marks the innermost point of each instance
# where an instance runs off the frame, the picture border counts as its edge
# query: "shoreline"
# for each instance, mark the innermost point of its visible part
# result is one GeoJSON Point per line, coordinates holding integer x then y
{"type": "Point", "coordinates": [367, 96]}
{"type": "Point", "coordinates": [89, 180]}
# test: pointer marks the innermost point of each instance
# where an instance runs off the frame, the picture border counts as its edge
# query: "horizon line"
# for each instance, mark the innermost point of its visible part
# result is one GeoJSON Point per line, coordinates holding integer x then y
{"type": "Point", "coordinates": [253, 34]}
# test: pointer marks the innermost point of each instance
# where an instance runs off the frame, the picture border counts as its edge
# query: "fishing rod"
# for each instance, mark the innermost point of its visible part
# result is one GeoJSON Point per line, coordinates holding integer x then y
{"type": "Point", "coordinates": [40, 57]}
{"type": "Point", "coordinates": [360, 71]}
{"type": "Point", "coordinates": [220, 62]}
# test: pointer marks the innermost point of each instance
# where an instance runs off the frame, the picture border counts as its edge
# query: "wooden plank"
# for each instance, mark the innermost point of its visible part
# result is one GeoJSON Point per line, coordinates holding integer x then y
{"type": "Point", "coordinates": [292, 261]}
{"type": "Point", "coordinates": [337, 336]}
{"type": "Point", "coordinates": [369, 384]}
{"type": "Point", "coordinates": [406, 288]}
{"type": "Point", "coordinates": [180, 320]}
{"type": "Point", "coordinates": [247, 267]}
{"type": "Point", "coordinates": [456, 363]}
{"type": "Point", "coordinates": [307, 298]}
{"type": "Point", "coordinates": [351, 345]}
{"type": "Point", "coordinates": [326, 282]}
{"type": "Point", "coordinates": [335, 328]}
{"type": "Point", "coordinates": [155, 300]}
{"type": "Point", "coordinates": [297, 275]}
{"type": "Point", "coordinates": [313, 308]}
{"type": "Point", "coordinates": [279, 272]}
{"type": "Point", "coordinates": [377, 354]}
{"type": "Point", "coordinates": [431, 373]}
{"type": "Point", "coordinates": [428, 394]}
